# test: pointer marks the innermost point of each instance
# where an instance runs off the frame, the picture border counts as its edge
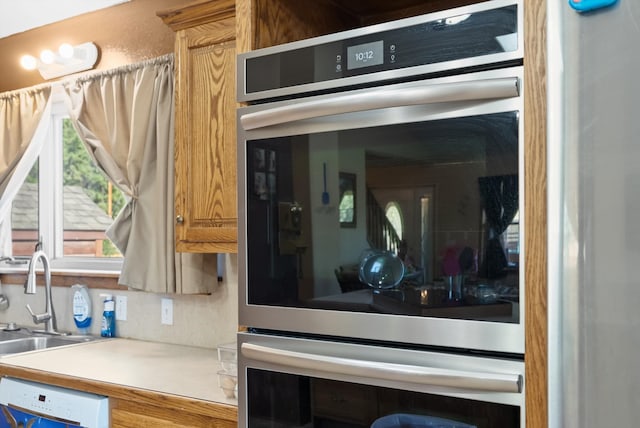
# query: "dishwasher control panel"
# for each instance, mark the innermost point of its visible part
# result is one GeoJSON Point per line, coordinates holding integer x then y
{"type": "Point", "coordinates": [61, 404]}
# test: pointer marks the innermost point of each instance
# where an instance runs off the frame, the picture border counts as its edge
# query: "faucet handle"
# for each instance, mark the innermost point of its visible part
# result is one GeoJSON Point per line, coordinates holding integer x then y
{"type": "Point", "coordinates": [38, 318]}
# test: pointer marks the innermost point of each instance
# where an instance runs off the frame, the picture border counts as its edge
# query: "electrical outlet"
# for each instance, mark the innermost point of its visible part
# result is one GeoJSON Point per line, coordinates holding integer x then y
{"type": "Point", "coordinates": [121, 308]}
{"type": "Point", "coordinates": [166, 311]}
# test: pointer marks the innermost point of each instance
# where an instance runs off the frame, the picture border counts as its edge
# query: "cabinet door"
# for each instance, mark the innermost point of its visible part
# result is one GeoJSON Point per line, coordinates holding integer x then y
{"type": "Point", "coordinates": [205, 139]}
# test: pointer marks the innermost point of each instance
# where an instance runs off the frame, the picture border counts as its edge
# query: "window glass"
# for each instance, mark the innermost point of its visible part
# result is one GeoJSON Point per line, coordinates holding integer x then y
{"type": "Point", "coordinates": [395, 217]}
{"type": "Point", "coordinates": [24, 216]}
{"type": "Point", "coordinates": [90, 201]}
{"type": "Point", "coordinates": [512, 243]}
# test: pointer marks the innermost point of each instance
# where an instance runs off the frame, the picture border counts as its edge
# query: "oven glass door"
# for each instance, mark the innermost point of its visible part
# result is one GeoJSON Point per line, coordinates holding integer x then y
{"type": "Point", "coordinates": [287, 394]}
{"type": "Point", "coordinates": [411, 210]}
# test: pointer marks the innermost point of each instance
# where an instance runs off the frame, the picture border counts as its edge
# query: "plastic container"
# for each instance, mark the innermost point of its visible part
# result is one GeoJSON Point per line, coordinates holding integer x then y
{"type": "Point", "coordinates": [108, 328]}
{"type": "Point", "coordinates": [228, 357]}
{"type": "Point", "coordinates": [81, 304]}
{"type": "Point", "coordinates": [228, 382]}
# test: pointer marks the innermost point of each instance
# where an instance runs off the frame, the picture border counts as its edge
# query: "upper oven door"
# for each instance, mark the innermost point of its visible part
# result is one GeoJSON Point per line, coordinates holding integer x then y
{"type": "Point", "coordinates": [392, 213]}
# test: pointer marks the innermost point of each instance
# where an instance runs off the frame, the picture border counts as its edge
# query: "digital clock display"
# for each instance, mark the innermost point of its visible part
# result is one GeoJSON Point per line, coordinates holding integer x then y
{"type": "Point", "coordinates": [365, 55]}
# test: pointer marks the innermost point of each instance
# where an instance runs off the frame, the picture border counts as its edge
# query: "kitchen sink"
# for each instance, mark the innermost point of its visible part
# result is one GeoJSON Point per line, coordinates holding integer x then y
{"type": "Point", "coordinates": [23, 340]}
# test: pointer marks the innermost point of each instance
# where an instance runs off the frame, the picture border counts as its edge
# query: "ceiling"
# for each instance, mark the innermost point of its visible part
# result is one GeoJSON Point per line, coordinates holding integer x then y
{"type": "Point", "coordinates": [19, 16]}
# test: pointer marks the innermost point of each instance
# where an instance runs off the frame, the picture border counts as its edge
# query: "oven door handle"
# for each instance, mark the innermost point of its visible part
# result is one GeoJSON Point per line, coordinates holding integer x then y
{"type": "Point", "coordinates": [433, 376]}
{"type": "Point", "coordinates": [499, 88]}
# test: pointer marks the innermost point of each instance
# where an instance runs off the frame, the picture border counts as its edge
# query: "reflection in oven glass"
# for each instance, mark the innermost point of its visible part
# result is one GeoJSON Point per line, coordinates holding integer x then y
{"type": "Point", "coordinates": [441, 195]}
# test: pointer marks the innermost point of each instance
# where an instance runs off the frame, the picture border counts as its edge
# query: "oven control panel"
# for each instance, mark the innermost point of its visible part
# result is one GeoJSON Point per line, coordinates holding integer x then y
{"type": "Point", "coordinates": [436, 43]}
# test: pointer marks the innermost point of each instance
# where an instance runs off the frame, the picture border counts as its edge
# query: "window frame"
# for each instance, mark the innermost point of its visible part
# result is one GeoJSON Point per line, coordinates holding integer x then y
{"type": "Point", "coordinates": [50, 200]}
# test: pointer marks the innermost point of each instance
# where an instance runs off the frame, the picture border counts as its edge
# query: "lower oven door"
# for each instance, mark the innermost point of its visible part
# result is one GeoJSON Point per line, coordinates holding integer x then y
{"type": "Point", "coordinates": [300, 382]}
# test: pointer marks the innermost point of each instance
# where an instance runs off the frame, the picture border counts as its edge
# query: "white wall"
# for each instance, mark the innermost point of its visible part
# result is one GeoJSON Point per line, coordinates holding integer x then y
{"type": "Point", "coordinates": [200, 320]}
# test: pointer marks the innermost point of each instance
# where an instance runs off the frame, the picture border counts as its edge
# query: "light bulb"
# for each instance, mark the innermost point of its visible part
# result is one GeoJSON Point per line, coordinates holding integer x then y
{"type": "Point", "coordinates": [47, 56]}
{"type": "Point", "coordinates": [66, 50]}
{"type": "Point", "coordinates": [28, 62]}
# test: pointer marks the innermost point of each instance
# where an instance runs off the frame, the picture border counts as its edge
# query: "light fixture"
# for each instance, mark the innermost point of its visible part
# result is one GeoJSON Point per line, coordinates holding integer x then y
{"type": "Point", "coordinates": [28, 62]}
{"type": "Point", "coordinates": [67, 60]}
{"type": "Point", "coordinates": [66, 50]}
{"type": "Point", "coordinates": [47, 56]}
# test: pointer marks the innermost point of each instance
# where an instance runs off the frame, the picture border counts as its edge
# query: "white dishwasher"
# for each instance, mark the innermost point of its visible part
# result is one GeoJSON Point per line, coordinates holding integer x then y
{"type": "Point", "coordinates": [28, 404]}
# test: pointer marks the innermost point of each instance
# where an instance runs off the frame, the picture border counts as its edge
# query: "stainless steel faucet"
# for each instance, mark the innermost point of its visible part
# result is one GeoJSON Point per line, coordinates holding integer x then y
{"type": "Point", "coordinates": [49, 317]}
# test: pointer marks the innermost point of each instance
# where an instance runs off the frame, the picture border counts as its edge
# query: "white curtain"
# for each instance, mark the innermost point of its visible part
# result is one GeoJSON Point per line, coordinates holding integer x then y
{"type": "Point", "coordinates": [22, 133]}
{"type": "Point", "coordinates": [125, 117]}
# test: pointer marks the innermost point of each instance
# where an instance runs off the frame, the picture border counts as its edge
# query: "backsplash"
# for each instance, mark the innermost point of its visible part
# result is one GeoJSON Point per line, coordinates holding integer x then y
{"type": "Point", "coordinates": [198, 320]}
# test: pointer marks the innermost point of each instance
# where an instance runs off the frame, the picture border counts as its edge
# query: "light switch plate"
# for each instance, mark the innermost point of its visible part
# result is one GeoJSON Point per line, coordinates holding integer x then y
{"type": "Point", "coordinates": [121, 308]}
{"type": "Point", "coordinates": [166, 311]}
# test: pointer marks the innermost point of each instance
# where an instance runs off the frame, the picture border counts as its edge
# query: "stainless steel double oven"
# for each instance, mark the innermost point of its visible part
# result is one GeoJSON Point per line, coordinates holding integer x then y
{"type": "Point", "coordinates": [381, 223]}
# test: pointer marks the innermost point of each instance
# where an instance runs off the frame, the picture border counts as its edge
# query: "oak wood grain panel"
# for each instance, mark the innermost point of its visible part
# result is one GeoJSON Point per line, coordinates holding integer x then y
{"type": "Point", "coordinates": [196, 14]}
{"type": "Point", "coordinates": [244, 25]}
{"type": "Point", "coordinates": [285, 21]}
{"type": "Point", "coordinates": [205, 145]}
{"type": "Point", "coordinates": [282, 21]}
{"type": "Point", "coordinates": [368, 12]}
{"type": "Point", "coordinates": [132, 395]}
{"type": "Point", "coordinates": [535, 126]}
{"type": "Point", "coordinates": [209, 155]}
{"type": "Point", "coordinates": [127, 414]}
{"type": "Point", "coordinates": [207, 247]}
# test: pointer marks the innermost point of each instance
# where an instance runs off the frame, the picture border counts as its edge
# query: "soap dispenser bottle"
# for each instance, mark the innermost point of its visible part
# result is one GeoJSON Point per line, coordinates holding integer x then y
{"type": "Point", "coordinates": [108, 328]}
{"type": "Point", "coordinates": [81, 303]}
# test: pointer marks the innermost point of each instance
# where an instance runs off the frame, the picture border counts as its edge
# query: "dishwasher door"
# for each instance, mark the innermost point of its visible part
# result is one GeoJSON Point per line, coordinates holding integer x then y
{"type": "Point", "coordinates": [36, 405]}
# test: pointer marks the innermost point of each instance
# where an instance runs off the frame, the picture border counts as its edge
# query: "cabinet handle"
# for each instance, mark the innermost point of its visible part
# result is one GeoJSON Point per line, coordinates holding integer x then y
{"type": "Point", "coordinates": [179, 219]}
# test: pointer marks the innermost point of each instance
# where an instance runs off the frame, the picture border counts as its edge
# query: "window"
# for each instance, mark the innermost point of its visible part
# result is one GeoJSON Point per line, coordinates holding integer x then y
{"type": "Point", "coordinates": [512, 241]}
{"type": "Point", "coordinates": [68, 203]}
{"type": "Point", "coordinates": [394, 216]}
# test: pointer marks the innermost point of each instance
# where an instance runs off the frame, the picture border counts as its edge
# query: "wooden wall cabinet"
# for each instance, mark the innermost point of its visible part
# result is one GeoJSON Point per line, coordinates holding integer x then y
{"type": "Point", "coordinates": [205, 126]}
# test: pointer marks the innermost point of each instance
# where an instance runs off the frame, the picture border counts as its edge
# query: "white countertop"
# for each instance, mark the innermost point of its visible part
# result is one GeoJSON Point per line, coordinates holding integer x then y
{"type": "Point", "coordinates": [171, 369]}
